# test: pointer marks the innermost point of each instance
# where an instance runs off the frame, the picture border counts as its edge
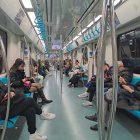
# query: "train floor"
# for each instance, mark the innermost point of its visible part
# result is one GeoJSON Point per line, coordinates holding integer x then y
{"type": "Point", "coordinates": [70, 122]}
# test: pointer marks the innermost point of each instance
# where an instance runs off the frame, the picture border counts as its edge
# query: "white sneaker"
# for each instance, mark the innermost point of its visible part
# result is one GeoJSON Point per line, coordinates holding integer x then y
{"type": "Point", "coordinates": [50, 74]}
{"type": "Point", "coordinates": [37, 136]}
{"type": "Point", "coordinates": [87, 104]}
{"type": "Point", "coordinates": [47, 116]}
{"type": "Point", "coordinates": [83, 95]}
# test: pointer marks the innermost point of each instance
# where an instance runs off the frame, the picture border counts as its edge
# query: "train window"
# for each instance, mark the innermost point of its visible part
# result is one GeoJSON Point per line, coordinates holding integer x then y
{"type": "Point", "coordinates": [84, 54]}
{"type": "Point", "coordinates": [3, 35]}
{"type": "Point", "coordinates": [129, 49]}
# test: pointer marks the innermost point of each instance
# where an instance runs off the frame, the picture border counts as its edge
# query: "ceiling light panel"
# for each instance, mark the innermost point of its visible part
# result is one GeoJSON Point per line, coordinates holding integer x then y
{"type": "Point", "coordinates": [32, 17]}
{"type": "Point", "coordinates": [27, 3]}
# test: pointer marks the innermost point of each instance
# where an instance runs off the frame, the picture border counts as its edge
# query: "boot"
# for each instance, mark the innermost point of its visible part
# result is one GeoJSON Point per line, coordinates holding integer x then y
{"type": "Point", "coordinates": [35, 97]}
{"type": "Point", "coordinates": [42, 96]}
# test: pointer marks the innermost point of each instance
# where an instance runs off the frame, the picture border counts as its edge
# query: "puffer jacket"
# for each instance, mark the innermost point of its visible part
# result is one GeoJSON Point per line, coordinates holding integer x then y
{"type": "Point", "coordinates": [16, 79]}
{"type": "Point", "coordinates": [3, 91]}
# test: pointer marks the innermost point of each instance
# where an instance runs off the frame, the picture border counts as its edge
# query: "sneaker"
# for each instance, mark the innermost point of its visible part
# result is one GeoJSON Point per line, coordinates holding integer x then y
{"type": "Point", "coordinates": [83, 95]}
{"type": "Point", "coordinates": [87, 104]}
{"type": "Point", "coordinates": [47, 116]}
{"type": "Point", "coordinates": [37, 136]}
{"type": "Point", "coordinates": [85, 98]}
{"type": "Point", "coordinates": [50, 74]}
{"type": "Point", "coordinates": [92, 118]}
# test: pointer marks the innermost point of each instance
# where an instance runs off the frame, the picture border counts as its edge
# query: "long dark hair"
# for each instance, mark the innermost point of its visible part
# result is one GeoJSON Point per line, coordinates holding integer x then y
{"type": "Point", "coordinates": [17, 63]}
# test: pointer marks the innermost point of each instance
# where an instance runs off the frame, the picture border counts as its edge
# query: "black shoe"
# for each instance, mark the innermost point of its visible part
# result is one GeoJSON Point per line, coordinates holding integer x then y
{"type": "Point", "coordinates": [95, 127]}
{"type": "Point", "coordinates": [69, 85]}
{"type": "Point", "coordinates": [40, 104]}
{"type": "Point", "coordinates": [92, 118]}
{"type": "Point", "coordinates": [75, 85]}
{"type": "Point", "coordinates": [46, 102]}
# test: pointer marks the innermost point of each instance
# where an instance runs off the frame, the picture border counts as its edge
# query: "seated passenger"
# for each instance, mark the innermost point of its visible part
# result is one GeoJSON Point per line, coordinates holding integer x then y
{"type": "Point", "coordinates": [38, 78]}
{"type": "Point", "coordinates": [128, 93]}
{"type": "Point", "coordinates": [132, 92]}
{"type": "Point", "coordinates": [75, 69]}
{"type": "Point", "coordinates": [67, 67]}
{"type": "Point", "coordinates": [21, 106]}
{"type": "Point", "coordinates": [92, 87]}
{"type": "Point", "coordinates": [76, 77]}
{"type": "Point", "coordinates": [20, 82]}
{"type": "Point", "coordinates": [124, 78]}
{"type": "Point", "coordinates": [41, 68]}
{"type": "Point", "coordinates": [47, 65]}
{"type": "Point", "coordinates": [107, 73]}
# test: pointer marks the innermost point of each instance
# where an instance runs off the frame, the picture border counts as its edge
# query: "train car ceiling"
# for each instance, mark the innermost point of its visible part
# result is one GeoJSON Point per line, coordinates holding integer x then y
{"type": "Point", "coordinates": [18, 22]}
{"type": "Point", "coordinates": [9, 24]}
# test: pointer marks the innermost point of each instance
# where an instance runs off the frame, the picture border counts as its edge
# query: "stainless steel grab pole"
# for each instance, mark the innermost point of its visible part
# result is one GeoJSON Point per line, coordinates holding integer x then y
{"type": "Point", "coordinates": [56, 65]}
{"type": "Point", "coordinates": [61, 63]}
{"type": "Point", "coordinates": [115, 70]}
{"type": "Point", "coordinates": [100, 73]}
{"type": "Point", "coordinates": [8, 84]}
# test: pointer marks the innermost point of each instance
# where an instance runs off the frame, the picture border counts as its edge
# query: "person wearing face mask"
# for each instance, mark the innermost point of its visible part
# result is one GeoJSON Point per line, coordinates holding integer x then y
{"type": "Point", "coordinates": [125, 76]}
{"type": "Point", "coordinates": [22, 106]}
{"type": "Point", "coordinates": [20, 82]}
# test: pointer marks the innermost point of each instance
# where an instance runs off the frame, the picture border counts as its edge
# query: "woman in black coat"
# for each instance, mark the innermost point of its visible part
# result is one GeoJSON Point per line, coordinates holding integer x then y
{"type": "Point", "coordinates": [20, 81]}
{"type": "Point", "coordinates": [21, 106]}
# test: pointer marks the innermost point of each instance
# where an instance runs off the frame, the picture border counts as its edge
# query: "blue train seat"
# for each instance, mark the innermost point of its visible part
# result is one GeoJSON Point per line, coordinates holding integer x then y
{"type": "Point", "coordinates": [11, 122]}
{"type": "Point", "coordinates": [136, 113]}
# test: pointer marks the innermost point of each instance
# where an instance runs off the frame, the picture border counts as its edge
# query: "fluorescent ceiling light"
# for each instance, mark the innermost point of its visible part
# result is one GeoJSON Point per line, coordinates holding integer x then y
{"type": "Point", "coordinates": [70, 42]}
{"type": "Point", "coordinates": [32, 17]}
{"type": "Point", "coordinates": [98, 17]}
{"type": "Point", "coordinates": [116, 2]}
{"type": "Point", "coordinates": [27, 3]}
{"type": "Point", "coordinates": [84, 30]}
{"type": "Point", "coordinates": [76, 37]}
{"type": "Point", "coordinates": [36, 30]}
{"type": "Point", "coordinates": [90, 24]}
{"type": "Point", "coordinates": [80, 34]}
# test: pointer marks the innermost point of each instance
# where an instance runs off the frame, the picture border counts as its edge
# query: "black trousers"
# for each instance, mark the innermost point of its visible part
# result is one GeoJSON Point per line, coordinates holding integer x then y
{"type": "Point", "coordinates": [74, 80]}
{"type": "Point", "coordinates": [27, 108]}
{"type": "Point", "coordinates": [92, 90]}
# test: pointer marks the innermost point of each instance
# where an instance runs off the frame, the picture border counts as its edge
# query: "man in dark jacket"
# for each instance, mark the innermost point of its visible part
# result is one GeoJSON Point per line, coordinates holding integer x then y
{"type": "Point", "coordinates": [125, 76]}
{"type": "Point", "coordinates": [4, 97]}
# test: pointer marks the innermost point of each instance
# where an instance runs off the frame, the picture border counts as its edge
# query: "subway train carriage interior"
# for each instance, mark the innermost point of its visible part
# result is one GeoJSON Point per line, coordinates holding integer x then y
{"type": "Point", "coordinates": [69, 69]}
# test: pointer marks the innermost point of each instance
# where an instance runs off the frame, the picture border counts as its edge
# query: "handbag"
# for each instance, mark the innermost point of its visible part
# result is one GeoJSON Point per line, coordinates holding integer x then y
{"type": "Point", "coordinates": [108, 95]}
{"type": "Point", "coordinates": [27, 84]}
